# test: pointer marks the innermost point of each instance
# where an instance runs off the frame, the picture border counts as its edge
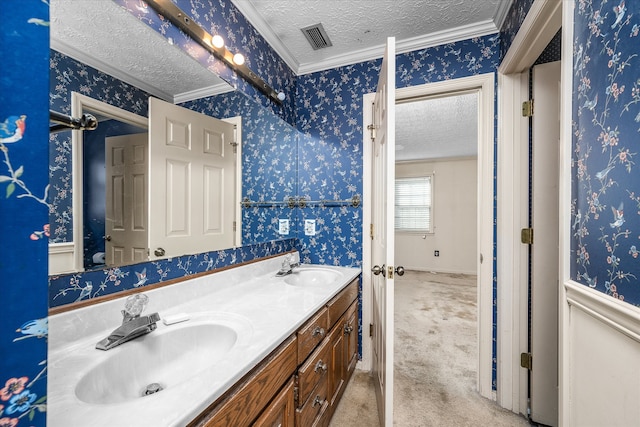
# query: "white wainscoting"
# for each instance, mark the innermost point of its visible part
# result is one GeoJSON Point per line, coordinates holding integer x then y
{"type": "Point", "coordinates": [602, 364]}
{"type": "Point", "coordinates": [61, 258]}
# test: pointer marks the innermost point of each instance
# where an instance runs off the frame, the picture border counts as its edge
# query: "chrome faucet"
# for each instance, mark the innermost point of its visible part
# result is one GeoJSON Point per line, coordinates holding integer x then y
{"type": "Point", "coordinates": [287, 266]}
{"type": "Point", "coordinates": [133, 325]}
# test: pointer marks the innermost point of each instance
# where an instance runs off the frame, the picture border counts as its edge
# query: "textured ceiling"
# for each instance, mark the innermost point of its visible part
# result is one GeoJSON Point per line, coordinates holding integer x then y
{"type": "Point", "coordinates": [437, 128]}
{"type": "Point", "coordinates": [358, 29]}
{"type": "Point", "coordinates": [101, 34]}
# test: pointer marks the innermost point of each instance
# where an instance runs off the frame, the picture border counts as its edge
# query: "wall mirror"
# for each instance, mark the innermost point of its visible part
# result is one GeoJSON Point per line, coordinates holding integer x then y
{"type": "Point", "coordinates": [269, 144]}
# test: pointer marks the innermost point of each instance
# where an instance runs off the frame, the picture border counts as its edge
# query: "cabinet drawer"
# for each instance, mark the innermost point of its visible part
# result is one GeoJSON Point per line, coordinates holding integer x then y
{"type": "Point", "coordinates": [313, 410]}
{"type": "Point", "coordinates": [311, 334]}
{"type": "Point", "coordinates": [313, 371]}
{"type": "Point", "coordinates": [339, 304]}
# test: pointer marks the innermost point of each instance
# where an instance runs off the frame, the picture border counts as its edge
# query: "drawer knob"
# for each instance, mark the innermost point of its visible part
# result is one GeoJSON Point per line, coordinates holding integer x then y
{"type": "Point", "coordinates": [320, 366]}
{"type": "Point", "coordinates": [318, 401]}
{"type": "Point", "coordinates": [348, 329]}
{"type": "Point", "coordinates": [318, 331]}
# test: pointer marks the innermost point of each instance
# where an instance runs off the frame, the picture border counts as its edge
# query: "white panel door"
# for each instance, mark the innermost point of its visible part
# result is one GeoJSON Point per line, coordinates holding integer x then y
{"type": "Point", "coordinates": [545, 254]}
{"type": "Point", "coordinates": [382, 248]}
{"type": "Point", "coordinates": [126, 231]}
{"type": "Point", "coordinates": [192, 181]}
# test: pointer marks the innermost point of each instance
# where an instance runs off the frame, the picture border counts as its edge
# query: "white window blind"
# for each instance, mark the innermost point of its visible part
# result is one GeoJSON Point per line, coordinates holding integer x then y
{"type": "Point", "coordinates": [413, 204]}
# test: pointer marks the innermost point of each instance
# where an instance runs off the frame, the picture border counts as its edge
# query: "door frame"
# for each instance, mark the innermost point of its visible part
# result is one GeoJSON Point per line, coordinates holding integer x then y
{"type": "Point", "coordinates": [540, 25]}
{"type": "Point", "coordinates": [69, 256]}
{"type": "Point", "coordinates": [484, 84]}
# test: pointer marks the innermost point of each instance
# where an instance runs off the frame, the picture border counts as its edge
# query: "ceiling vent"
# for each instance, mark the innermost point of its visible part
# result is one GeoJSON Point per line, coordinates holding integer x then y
{"type": "Point", "coordinates": [317, 36]}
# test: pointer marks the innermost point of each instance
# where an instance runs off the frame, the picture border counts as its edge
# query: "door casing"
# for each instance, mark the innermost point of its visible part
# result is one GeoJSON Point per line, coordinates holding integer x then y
{"type": "Point", "coordinates": [540, 25]}
{"type": "Point", "coordinates": [484, 84]}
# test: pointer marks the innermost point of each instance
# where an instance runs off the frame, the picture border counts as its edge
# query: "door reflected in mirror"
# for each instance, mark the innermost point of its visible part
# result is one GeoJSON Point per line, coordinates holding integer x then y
{"type": "Point", "coordinates": [115, 202]}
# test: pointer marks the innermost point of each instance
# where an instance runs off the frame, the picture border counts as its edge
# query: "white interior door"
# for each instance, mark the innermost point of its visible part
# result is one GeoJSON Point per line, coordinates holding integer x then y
{"type": "Point", "coordinates": [543, 381]}
{"type": "Point", "coordinates": [126, 231]}
{"type": "Point", "coordinates": [382, 248]}
{"type": "Point", "coordinates": [192, 181]}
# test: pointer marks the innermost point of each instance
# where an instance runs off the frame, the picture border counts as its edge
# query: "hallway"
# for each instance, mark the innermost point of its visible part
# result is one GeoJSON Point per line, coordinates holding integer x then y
{"type": "Point", "coordinates": [435, 360]}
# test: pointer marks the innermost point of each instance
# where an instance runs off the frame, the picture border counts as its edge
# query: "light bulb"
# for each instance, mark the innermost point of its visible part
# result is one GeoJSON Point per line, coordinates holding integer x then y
{"type": "Point", "coordinates": [217, 41]}
{"type": "Point", "coordinates": [238, 58]}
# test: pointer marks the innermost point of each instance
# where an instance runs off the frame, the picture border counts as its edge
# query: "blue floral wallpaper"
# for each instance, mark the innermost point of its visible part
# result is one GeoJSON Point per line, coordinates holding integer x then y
{"type": "Point", "coordinates": [512, 22]}
{"type": "Point", "coordinates": [68, 288]}
{"type": "Point", "coordinates": [606, 122]}
{"type": "Point", "coordinates": [329, 113]}
{"type": "Point", "coordinates": [223, 18]}
{"type": "Point", "coordinates": [23, 212]}
{"type": "Point", "coordinates": [68, 75]}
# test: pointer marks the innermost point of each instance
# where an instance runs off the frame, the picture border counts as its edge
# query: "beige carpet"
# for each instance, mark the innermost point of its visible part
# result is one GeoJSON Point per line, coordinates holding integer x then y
{"type": "Point", "coordinates": [435, 360]}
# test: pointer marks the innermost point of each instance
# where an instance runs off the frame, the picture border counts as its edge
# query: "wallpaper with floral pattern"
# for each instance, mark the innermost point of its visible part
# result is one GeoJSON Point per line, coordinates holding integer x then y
{"type": "Point", "coordinates": [512, 22]}
{"type": "Point", "coordinates": [24, 212]}
{"type": "Point", "coordinates": [68, 288]}
{"type": "Point", "coordinates": [606, 126]}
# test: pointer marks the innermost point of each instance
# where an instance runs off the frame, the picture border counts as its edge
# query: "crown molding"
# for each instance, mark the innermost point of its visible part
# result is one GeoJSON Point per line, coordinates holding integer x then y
{"type": "Point", "coordinates": [247, 9]}
{"type": "Point", "coordinates": [501, 13]}
{"type": "Point", "coordinates": [202, 93]}
{"type": "Point", "coordinates": [119, 74]}
{"type": "Point", "coordinates": [403, 46]}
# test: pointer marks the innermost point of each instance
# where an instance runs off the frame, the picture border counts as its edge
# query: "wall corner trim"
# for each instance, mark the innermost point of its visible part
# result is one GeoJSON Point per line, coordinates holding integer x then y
{"type": "Point", "coordinates": [617, 314]}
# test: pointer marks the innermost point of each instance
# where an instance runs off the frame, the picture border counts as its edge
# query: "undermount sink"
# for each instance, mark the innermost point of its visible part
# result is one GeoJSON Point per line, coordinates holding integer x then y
{"type": "Point", "coordinates": [157, 361]}
{"type": "Point", "coordinates": [311, 276]}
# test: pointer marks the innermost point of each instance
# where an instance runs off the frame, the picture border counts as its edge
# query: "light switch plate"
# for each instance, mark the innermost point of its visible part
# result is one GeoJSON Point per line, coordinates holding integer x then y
{"type": "Point", "coordinates": [309, 227]}
{"type": "Point", "coordinates": [283, 226]}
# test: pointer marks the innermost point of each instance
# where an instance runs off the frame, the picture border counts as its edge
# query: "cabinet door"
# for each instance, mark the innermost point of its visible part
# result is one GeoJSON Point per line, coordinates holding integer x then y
{"type": "Point", "coordinates": [337, 367]}
{"type": "Point", "coordinates": [281, 412]}
{"type": "Point", "coordinates": [351, 339]}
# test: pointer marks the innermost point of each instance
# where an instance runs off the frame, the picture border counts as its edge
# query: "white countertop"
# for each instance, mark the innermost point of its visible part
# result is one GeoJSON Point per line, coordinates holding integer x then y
{"type": "Point", "coordinates": [264, 309]}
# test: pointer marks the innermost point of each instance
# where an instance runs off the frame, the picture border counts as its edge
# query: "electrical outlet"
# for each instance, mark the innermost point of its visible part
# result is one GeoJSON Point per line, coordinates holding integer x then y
{"type": "Point", "coordinates": [283, 226]}
{"type": "Point", "coordinates": [436, 253]}
{"type": "Point", "coordinates": [309, 227]}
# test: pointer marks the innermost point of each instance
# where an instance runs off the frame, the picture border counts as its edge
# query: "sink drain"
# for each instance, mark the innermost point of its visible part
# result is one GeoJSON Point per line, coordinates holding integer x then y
{"type": "Point", "coordinates": [152, 389]}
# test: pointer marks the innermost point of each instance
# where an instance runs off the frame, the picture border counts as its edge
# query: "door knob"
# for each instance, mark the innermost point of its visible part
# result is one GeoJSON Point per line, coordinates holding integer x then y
{"type": "Point", "coordinates": [107, 238]}
{"type": "Point", "coordinates": [400, 270]}
{"type": "Point", "coordinates": [376, 270]}
{"type": "Point", "coordinates": [159, 252]}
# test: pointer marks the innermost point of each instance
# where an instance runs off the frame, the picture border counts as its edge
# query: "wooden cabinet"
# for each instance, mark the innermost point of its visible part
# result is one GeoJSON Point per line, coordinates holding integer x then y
{"type": "Point", "coordinates": [302, 381]}
{"type": "Point", "coordinates": [247, 400]}
{"type": "Point", "coordinates": [281, 411]}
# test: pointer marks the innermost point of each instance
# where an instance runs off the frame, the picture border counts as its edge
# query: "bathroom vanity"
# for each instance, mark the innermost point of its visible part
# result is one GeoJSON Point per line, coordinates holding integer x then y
{"type": "Point", "coordinates": [255, 349]}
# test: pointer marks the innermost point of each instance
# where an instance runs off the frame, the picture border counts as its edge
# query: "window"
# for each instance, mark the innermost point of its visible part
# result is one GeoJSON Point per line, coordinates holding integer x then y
{"type": "Point", "coordinates": [414, 204]}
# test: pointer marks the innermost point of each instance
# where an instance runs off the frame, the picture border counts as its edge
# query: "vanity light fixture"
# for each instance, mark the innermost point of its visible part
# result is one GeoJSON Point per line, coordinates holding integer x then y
{"type": "Point", "coordinates": [214, 44]}
{"type": "Point", "coordinates": [238, 59]}
{"type": "Point", "coordinates": [217, 41]}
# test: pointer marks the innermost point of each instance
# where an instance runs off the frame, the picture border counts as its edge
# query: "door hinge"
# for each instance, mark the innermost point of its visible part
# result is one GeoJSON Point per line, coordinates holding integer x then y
{"type": "Point", "coordinates": [526, 361]}
{"type": "Point", "coordinates": [234, 225]}
{"type": "Point", "coordinates": [235, 147]}
{"type": "Point", "coordinates": [527, 108]}
{"type": "Point", "coordinates": [371, 231]}
{"type": "Point", "coordinates": [372, 129]}
{"type": "Point", "coordinates": [526, 236]}
{"type": "Point", "coordinates": [296, 395]}
{"type": "Point", "coordinates": [370, 329]}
